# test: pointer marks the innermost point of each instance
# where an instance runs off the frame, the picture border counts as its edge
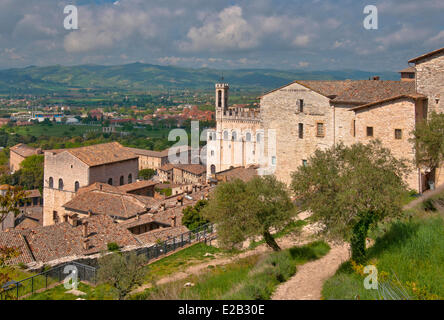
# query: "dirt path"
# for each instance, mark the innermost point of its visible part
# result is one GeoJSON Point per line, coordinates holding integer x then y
{"type": "Point", "coordinates": [307, 283]}
{"type": "Point", "coordinates": [284, 242]}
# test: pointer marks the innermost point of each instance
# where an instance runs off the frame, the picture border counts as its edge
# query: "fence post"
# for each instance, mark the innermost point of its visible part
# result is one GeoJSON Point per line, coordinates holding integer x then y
{"type": "Point", "coordinates": [164, 247]}
{"type": "Point", "coordinates": [46, 280]}
{"type": "Point", "coordinates": [174, 243]}
{"type": "Point", "coordinates": [32, 285]}
{"type": "Point", "coordinates": [181, 240]}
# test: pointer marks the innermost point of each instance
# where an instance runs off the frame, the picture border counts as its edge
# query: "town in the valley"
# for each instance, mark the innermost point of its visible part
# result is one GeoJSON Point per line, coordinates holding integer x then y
{"type": "Point", "coordinates": [93, 195]}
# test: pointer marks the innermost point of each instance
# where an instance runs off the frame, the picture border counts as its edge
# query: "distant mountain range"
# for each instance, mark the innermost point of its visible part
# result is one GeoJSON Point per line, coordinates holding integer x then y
{"type": "Point", "coordinates": [143, 77]}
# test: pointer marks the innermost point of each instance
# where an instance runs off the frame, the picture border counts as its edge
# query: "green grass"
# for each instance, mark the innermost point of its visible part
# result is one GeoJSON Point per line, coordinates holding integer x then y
{"type": "Point", "coordinates": [56, 130]}
{"type": "Point", "coordinates": [410, 251]}
{"type": "Point", "coordinates": [254, 277]}
{"type": "Point", "coordinates": [183, 259]}
{"type": "Point", "coordinates": [101, 292]}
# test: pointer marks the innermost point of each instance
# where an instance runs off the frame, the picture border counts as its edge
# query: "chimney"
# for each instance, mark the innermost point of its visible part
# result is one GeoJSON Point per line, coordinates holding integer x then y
{"type": "Point", "coordinates": [376, 78]}
{"type": "Point", "coordinates": [85, 244]}
{"type": "Point", "coordinates": [85, 229]}
{"type": "Point", "coordinates": [74, 219]}
{"type": "Point", "coordinates": [163, 206]}
{"type": "Point", "coordinates": [65, 218]}
{"type": "Point", "coordinates": [173, 221]}
{"type": "Point", "coordinates": [100, 187]}
{"type": "Point", "coordinates": [137, 216]}
{"type": "Point", "coordinates": [90, 213]}
{"type": "Point", "coordinates": [180, 200]}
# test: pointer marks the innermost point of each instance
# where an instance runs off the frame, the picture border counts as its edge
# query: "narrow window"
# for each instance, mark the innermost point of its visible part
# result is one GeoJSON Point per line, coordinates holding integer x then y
{"type": "Point", "coordinates": [60, 184]}
{"type": "Point", "coordinates": [213, 169]}
{"type": "Point", "coordinates": [304, 163]}
{"type": "Point", "coordinates": [248, 136]}
{"type": "Point", "coordinates": [234, 136]}
{"type": "Point", "coordinates": [76, 186]}
{"type": "Point", "coordinates": [110, 181]}
{"type": "Point", "coordinates": [301, 130]}
{"type": "Point", "coordinates": [354, 128]}
{"type": "Point", "coordinates": [273, 160]}
{"type": "Point", "coordinates": [369, 131]}
{"type": "Point", "coordinates": [225, 135]}
{"type": "Point", "coordinates": [130, 178]}
{"type": "Point", "coordinates": [320, 129]}
{"type": "Point", "coordinates": [51, 182]}
{"type": "Point", "coordinates": [258, 138]}
{"type": "Point", "coordinates": [121, 180]}
{"type": "Point", "coordinates": [219, 98]}
{"type": "Point", "coordinates": [398, 134]}
{"type": "Point", "coordinates": [212, 153]}
{"type": "Point", "coordinates": [301, 105]}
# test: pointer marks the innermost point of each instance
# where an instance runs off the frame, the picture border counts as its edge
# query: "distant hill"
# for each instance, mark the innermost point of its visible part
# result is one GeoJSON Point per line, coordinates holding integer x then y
{"type": "Point", "coordinates": [142, 77]}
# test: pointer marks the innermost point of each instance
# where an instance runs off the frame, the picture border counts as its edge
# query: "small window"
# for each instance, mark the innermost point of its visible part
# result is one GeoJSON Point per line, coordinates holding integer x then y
{"type": "Point", "coordinates": [76, 186]}
{"type": "Point", "coordinates": [225, 135]}
{"type": "Point", "coordinates": [248, 136]}
{"type": "Point", "coordinates": [212, 153]}
{"type": "Point", "coordinates": [121, 180]}
{"type": "Point", "coordinates": [369, 131]}
{"type": "Point", "coordinates": [320, 129]}
{"type": "Point", "coordinates": [301, 105]}
{"type": "Point", "coordinates": [234, 136]}
{"type": "Point", "coordinates": [273, 160]}
{"type": "Point", "coordinates": [258, 138]}
{"type": "Point", "coordinates": [51, 182]}
{"type": "Point", "coordinates": [60, 184]}
{"type": "Point", "coordinates": [110, 181]}
{"type": "Point", "coordinates": [398, 134]}
{"type": "Point", "coordinates": [130, 178]}
{"type": "Point", "coordinates": [354, 128]}
{"type": "Point", "coordinates": [301, 130]}
{"type": "Point", "coordinates": [304, 163]}
{"type": "Point", "coordinates": [213, 169]}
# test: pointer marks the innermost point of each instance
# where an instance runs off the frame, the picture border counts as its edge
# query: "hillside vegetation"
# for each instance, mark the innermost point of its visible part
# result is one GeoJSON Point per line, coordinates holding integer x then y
{"type": "Point", "coordinates": [142, 77]}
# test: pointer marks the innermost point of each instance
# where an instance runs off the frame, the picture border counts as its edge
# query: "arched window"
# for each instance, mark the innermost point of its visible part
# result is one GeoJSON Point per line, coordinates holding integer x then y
{"type": "Point", "coordinates": [121, 180]}
{"type": "Point", "coordinates": [248, 136]}
{"type": "Point", "coordinates": [76, 186]}
{"type": "Point", "coordinates": [225, 135]}
{"type": "Point", "coordinates": [51, 182]}
{"type": "Point", "coordinates": [60, 184]}
{"type": "Point", "coordinates": [258, 138]}
{"type": "Point", "coordinates": [213, 169]}
{"type": "Point", "coordinates": [234, 136]}
{"type": "Point", "coordinates": [130, 178]}
{"type": "Point", "coordinates": [110, 181]}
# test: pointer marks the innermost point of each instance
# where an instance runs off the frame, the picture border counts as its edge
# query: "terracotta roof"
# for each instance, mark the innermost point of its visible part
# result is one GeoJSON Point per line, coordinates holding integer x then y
{"type": "Point", "coordinates": [404, 96]}
{"type": "Point", "coordinates": [16, 239]}
{"type": "Point", "coordinates": [408, 70]}
{"type": "Point", "coordinates": [245, 174]}
{"type": "Point", "coordinates": [112, 203]}
{"type": "Point", "coordinates": [426, 55]}
{"type": "Point", "coordinates": [24, 150]}
{"type": "Point", "coordinates": [196, 169]}
{"type": "Point", "coordinates": [100, 154]}
{"type": "Point", "coordinates": [63, 240]}
{"type": "Point", "coordinates": [137, 185]}
{"type": "Point", "coordinates": [166, 167]}
{"type": "Point", "coordinates": [160, 234]}
{"type": "Point", "coordinates": [33, 193]}
{"type": "Point", "coordinates": [158, 154]}
{"type": "Point", "coordinates": [144, 219]}
{"type": "Point", "coordinates": [357, 91]}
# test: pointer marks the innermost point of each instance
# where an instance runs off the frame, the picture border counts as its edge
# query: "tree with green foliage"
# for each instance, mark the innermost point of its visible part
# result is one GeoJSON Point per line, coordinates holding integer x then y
{"type": "Point", "coordinates": [30, 175]}
{"type": "Point", "coordinates": [147, 174]}
{"type": "Point", "coordinates": [123, 271]}
{"type": "Point", "coordinates": [350, 189]}
{"type": "Point", "coordinates": [192, 216]}
{"type": "Point", "coordinates": [246, 209]}
{"type": "Point", "coordinates": [428, 138]}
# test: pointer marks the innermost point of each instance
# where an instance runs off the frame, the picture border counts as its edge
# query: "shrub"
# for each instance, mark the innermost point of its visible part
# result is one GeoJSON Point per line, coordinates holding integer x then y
{"type": "Point", "coordinates": [112, 246]}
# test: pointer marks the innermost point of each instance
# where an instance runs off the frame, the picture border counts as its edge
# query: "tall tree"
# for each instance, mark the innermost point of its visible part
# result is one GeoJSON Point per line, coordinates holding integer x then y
{"type": "Point", "coordinates": [350, 189]}
{"type": "Point", "coordinates": [429, 142]}
{"type": "Point", "coordinates": [245, 209]}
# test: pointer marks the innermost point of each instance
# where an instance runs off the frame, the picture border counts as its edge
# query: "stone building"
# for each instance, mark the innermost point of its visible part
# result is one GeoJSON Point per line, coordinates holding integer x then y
{"type": "Point", "coordinates": [20, 152]}
{"type": "Point", "coordinates": [182, 173]}
{"type": "Point", "coordinates": [149, 159]}
{"type": "Point", "coordinates": [303, 116]}
{"type": "Point", "coordinates": [67, 170]}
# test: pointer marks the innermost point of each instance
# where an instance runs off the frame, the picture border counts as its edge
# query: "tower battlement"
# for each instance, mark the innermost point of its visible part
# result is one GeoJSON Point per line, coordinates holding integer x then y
{"type": "Point", "coordinates": [241, 114]}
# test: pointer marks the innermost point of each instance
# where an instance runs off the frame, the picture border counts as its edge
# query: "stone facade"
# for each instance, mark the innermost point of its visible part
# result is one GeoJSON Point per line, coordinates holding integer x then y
{"type": "Point", "coordinates": [64, 174]}
{"type": "Point", "coordinates": [18, 153]}
{"type": "Point", "coordinates": [430, 79]}
{"type": "Point", "coordinates": [303, 116]}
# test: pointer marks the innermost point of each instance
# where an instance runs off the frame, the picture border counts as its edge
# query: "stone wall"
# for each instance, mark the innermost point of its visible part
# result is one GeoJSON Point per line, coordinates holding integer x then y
{"type": "Point", "coordinates": [68, 168]}
{"type": "Point", "coordinates": [14, 161]}
{"type": "Point", "coordinates": [280, 112]}
{"type": "Point", "coordinates": [385, 118]}
{"type": "Point", "coordinates": [430, 81]}
{"type": "Point", "coordinates": [114, 171]}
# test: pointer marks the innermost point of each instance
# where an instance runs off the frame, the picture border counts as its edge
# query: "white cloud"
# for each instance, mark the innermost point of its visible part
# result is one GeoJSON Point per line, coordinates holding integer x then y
{"type": "Point", "coordinates": [436, 40]}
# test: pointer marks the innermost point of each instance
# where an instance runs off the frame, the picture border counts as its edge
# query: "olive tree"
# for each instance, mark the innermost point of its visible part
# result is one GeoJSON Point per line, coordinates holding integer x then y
{"type": "Point", "coordinates": [349, 189]}
{"type": "Point", "coordinates": [245, 209]}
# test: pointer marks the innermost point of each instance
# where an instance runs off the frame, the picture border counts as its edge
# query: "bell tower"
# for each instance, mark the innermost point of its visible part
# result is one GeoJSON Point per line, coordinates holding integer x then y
{"type": "Point", "coordinates": [222, 96]}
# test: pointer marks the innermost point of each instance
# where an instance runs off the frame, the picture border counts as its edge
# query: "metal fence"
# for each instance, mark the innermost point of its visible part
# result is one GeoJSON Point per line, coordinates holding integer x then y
{"type": "Point", "coordinates": [204, 233]}
{"type": "Point", "coordinates": [44, 280]}
{"type": "Point", "coordinates": [56, 275]}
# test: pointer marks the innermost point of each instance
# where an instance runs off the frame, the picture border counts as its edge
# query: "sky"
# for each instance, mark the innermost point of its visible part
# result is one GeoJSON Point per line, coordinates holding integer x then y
{"type": "Point", "coordinates": [277, 34]}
